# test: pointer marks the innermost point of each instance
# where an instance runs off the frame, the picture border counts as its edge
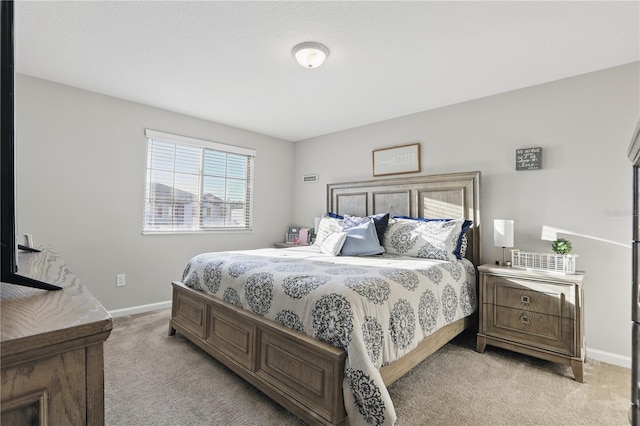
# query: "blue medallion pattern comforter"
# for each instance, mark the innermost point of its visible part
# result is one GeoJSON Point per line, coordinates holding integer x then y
{"type": "Point", "coordinates": [376, 308]}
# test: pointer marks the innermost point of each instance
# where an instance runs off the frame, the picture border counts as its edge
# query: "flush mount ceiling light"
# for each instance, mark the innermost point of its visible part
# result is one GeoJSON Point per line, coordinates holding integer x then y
{"type": "Point", "coordinates": [310, 54]}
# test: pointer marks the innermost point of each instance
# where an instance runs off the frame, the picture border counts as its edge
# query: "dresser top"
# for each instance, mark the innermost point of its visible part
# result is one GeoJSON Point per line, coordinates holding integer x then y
{"type": "Point", "coordinates": [32, 318]}
{"type": "Point", "coordinates": [509, 271]}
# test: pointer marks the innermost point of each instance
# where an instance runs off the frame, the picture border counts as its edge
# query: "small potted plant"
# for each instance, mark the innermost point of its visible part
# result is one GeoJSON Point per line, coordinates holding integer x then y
{"type": "Point", "coordinates": [561, 246]}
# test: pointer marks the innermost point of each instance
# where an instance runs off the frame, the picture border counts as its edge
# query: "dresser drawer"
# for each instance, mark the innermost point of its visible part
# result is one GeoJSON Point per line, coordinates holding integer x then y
{"type": "Point", "coordinates": [530, 295]}
{"type": "Point", "coordinates": [531, 328]}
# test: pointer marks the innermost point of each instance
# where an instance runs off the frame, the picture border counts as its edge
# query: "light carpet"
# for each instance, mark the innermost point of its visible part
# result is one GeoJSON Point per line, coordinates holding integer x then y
{"type": "Point", "coordinates": [154, 379]}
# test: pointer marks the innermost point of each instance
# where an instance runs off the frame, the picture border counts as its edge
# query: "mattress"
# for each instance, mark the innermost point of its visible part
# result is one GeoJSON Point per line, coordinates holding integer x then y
{"type": "Point", "coordinates": [376, 308]}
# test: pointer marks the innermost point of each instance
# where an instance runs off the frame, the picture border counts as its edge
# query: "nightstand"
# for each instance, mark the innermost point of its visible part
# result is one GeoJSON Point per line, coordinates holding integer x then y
{"type": "Point", "coordinates": [286, 245]}
{"type": "Point", "coordinates": [534, 313]}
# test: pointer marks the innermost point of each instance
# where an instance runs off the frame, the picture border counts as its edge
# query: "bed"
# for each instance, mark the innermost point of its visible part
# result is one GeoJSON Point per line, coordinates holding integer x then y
{"type": "Point", "coordinates": [309, 364]}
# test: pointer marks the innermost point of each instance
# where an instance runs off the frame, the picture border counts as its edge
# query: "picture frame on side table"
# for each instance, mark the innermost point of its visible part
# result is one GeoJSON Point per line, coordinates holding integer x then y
{"type": "Point", "coordinates": [292, 234]}
{"type": "Point", "coordinates": [396, 160]}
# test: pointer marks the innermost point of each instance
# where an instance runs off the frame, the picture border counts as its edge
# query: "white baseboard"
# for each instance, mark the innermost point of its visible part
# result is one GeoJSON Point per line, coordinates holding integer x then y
{"type": "Point", "coordinates": [140, 309]}
{"type": "Point", "coordinates": [609, 358]}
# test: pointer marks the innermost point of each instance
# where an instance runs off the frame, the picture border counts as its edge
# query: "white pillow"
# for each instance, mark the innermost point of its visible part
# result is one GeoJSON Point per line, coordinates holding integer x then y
{"type": "Point", "coordinates": [327, 226]}
{"type": "Point", "coordinates": [333, 243]}
{"type": "Point", "coordinates": [431, 240]}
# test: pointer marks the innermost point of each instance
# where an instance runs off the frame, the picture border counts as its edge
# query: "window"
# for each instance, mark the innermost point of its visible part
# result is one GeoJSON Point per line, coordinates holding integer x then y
{"type": "Point", "coordinates": [195, 185]}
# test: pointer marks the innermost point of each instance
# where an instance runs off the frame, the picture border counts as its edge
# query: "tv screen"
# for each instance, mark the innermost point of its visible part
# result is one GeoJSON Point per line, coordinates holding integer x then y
{"type": "Point", "coordinates": [9, 246]}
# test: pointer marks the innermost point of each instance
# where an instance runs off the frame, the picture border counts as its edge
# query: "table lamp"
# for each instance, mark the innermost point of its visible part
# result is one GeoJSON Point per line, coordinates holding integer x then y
{"type": "Point", "coordinates": [503, 236]}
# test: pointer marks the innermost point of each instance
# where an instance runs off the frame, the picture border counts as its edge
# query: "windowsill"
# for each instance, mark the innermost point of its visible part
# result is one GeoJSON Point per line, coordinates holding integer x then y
{"type": "Point", "coordinates": [199, 231]}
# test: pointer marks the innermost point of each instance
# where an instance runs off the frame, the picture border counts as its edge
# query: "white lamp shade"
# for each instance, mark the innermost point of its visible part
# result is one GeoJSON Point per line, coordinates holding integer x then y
{"type": "Point", "coordinates": [503, 233]}
{"type": "Point", "coordinates": [549, 233]}
{"type": "Point", "coordinates": [310, 54]}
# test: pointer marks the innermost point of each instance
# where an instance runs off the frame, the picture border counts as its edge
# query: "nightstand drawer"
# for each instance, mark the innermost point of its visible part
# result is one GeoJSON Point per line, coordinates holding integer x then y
{"type": "Point", "coordinates": [531, 328]}
{"type": "Point", "coordinates": [529, 295]}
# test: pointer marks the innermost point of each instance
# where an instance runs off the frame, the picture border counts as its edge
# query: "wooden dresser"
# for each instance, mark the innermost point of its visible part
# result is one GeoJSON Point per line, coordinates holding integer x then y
{"type": "Point", "coordinates": [534, 313]}
{"type": "Point", "coordinates": [51, 348]}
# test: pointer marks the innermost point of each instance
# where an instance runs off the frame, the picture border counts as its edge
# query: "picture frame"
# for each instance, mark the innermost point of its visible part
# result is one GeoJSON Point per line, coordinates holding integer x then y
{"type": "Point", "coordinates": [529, 158]}
{"type": "Point", "coordinates": [396, 160]}
{"type": "Point", "coordinates": [292, 234]}
{"type": "Point", "coordinates": [297, 235]}
{"type": "Point", "coordinates": [310, 179]}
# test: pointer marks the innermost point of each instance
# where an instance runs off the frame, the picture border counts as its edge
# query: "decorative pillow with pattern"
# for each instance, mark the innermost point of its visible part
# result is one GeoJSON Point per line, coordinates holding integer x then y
{"type": "Point", "coordinates": [327, 226]}
{"type": "Point", "coordinates": [461, 247]}
{"type": "Point", "coordinates": [353, 221]}
{"type": "Point", "coordinates": [464, 241]}
{"type": "Point", "coordinates": [430, 240]}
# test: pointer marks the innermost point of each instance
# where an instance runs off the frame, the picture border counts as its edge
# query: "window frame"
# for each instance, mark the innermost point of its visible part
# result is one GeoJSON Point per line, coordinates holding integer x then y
{"type": "Point", "coordinates": [202, 145]}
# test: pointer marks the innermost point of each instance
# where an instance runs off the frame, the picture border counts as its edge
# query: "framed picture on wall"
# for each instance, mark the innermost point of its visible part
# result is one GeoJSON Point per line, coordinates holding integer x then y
{"type": "Point", "coordinates": [396, 160]}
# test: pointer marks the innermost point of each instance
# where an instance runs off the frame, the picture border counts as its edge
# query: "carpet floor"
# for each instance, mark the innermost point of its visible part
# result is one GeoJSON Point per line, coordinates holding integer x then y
{"type": "Point", "coordinates": [154, 379]}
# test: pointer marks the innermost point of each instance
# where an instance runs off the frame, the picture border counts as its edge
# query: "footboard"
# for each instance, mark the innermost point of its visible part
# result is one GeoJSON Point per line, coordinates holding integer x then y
{"type": "Point", "coordinates": [302, 374]}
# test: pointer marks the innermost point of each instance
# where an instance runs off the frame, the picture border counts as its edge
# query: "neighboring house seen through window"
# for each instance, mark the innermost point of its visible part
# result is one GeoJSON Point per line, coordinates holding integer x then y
{"type": "Point", "coordinates": [196, 185]}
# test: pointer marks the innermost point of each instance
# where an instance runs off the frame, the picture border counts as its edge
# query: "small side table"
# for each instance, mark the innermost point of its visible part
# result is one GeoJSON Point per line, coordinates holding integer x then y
{"type": "Point", "coordinates": [534, 313]}
{"type": "Point", "coordinates": [287, 245]}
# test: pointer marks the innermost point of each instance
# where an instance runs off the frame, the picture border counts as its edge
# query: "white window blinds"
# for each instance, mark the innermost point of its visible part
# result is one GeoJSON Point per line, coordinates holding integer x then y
{"type": "Point", "coordinates": [196, 185]}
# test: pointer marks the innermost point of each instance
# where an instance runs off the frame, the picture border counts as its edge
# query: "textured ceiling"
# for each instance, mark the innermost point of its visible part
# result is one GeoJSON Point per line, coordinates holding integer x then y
{"type": "Point", "coordinates": [231, 62]}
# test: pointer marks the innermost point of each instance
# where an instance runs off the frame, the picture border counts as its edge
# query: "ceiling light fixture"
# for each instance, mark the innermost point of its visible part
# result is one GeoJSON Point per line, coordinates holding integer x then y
{"type": "Point", "coordinates": [310, 54]}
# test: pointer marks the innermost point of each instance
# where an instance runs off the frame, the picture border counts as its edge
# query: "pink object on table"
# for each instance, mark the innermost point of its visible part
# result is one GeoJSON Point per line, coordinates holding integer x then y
{"type": "Point", "coordinates": [303, 236]}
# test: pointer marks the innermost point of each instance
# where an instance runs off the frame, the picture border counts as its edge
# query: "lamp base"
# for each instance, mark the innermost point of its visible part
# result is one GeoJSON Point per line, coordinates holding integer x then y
{"type": "Point", "coordinates": [504, 261]}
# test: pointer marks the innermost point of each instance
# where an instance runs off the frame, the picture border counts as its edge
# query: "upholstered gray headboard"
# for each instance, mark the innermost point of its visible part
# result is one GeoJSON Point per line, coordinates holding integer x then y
{"type": "Point", "coordinates": [451, 195]}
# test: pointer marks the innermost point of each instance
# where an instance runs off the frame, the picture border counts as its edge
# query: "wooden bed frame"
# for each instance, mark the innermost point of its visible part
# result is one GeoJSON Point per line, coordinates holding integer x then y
{"type": "Point", "coordinates": [299, 372]}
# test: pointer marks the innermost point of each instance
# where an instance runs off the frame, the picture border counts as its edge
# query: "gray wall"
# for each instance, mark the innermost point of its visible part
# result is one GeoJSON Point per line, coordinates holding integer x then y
{"type": "Point", "coordinates": [584, 125]}
{"type": "Point", "coordinates": [81, 161]}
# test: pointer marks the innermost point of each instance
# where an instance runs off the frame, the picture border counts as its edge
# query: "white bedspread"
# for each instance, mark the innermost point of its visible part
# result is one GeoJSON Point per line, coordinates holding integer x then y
{"type": "Point", "coordinates": [376, 308]}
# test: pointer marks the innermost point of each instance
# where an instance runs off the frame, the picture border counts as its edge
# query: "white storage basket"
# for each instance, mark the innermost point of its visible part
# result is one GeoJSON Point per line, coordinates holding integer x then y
{"type": "Point", "coordinates": [547, 262]}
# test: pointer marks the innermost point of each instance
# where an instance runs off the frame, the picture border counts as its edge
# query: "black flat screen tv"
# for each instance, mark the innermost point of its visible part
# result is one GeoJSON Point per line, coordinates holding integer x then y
{"type": "Point", "coordinates": [9, 247]}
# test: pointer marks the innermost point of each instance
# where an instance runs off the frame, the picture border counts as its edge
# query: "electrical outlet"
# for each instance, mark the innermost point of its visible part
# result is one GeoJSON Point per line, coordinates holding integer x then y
{"type": "Point", "coordinates": [120, 280]}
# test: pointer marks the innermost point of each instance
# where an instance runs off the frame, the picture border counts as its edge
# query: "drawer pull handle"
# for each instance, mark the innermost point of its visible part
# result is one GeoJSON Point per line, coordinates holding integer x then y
{"type": "Point", "coordinates": [525, 320]}
{"type": "Point", "coordinates": [524, 299]}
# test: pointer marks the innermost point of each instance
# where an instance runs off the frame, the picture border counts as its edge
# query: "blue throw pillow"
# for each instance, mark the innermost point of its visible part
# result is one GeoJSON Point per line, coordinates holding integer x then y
{"type": "Point", "coordinates": [381, 221]}
{"type": "Point", "coordinates": [362, 240]}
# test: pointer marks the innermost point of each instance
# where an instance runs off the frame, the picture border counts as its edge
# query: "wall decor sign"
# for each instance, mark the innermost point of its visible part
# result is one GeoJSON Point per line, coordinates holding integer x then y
{"type": "Point", "coordinates": [309, 178]}
{"type": "Point", "coordinates": [529, 158]}
{"type": "Point", "coordinates": [396, 160]}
